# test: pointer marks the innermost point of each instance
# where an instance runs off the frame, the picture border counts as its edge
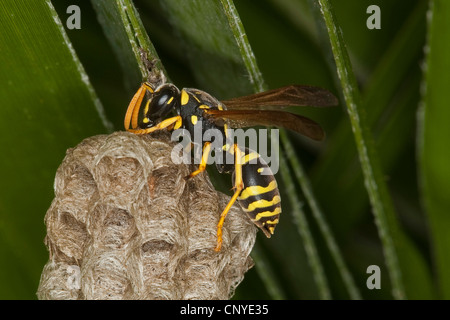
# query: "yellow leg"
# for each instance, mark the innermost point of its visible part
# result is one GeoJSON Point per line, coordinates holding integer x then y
{"type": "Point", "coordinates": [134, 106]}
{"type": "Point", "coordinates": [238, 186]}
{"type": "Point", "coordinates": [162, 125]}
{"type": "Point", "coordinates": [203, 162]}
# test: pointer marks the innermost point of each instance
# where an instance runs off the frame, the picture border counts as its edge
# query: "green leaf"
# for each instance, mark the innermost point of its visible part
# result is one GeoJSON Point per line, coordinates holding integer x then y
{"type": "Point", "coordinates": [376, 188]}
{"type": "Point", "coordinates": [318, 215]}
{"type": "Point", "coordinates": [48, 105]}
{"type": "Point", "coordinates": [433, 146]}
{"type": "Point", "coordinates": [377, 95]}
{"type": "Point", "coordinates": [398, 250]}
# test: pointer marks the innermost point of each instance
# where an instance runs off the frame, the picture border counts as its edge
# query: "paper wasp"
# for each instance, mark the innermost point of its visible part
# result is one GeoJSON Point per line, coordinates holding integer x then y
{"type": "Point", "coordinates": [256, 193]}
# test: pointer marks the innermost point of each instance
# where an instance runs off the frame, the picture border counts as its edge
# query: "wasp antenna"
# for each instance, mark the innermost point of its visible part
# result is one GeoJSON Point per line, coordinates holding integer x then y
{"type": "Point", "coordinates": [133, 108]}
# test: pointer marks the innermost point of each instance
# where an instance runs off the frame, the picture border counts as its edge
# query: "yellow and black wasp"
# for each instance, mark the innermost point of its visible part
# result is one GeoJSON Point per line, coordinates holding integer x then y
{"type": "Point", "coordinates": [254, 184]}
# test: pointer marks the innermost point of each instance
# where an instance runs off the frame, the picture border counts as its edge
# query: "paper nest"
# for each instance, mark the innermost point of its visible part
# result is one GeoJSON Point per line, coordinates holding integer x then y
{"type": "Point", "coordinates": [124, 224]}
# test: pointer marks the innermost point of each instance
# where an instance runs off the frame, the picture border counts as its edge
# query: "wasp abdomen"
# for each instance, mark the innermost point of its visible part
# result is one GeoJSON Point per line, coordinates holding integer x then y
{"type": "Point", "coordinates": [260, 198]}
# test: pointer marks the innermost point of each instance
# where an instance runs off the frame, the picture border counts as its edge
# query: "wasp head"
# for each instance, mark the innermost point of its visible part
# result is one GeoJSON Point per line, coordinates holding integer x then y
{"type": "Point", "coordinates": [163, 101]}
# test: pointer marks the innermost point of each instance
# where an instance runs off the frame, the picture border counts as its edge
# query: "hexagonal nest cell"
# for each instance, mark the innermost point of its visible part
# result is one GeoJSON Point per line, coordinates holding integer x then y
{"type": "Point", "coordinates": [125, 224]}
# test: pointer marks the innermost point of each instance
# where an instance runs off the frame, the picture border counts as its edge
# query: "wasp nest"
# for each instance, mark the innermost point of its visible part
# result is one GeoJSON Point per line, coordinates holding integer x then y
{"type": "Point", "coordinates": [125, 224]}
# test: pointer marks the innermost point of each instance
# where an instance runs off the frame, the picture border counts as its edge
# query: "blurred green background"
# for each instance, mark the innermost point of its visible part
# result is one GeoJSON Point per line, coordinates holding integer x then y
{"type": "Point", "coordinates": [48, 107]}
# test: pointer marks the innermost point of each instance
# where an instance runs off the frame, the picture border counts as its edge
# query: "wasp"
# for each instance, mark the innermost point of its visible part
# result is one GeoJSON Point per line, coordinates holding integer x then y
{"type": "Point", "coordinates": [255, 187]}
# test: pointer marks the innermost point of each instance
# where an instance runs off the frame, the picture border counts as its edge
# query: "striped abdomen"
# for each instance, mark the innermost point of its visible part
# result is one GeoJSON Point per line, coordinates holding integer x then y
{"type": "Point", "coordinates": [260, 198]}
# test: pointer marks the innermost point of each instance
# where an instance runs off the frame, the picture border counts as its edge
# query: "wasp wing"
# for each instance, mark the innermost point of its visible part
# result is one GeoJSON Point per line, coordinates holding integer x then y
{"type": "Point", "coordinates": [249, 118]}
{"type": "Point", "coordinates": [292, 95]}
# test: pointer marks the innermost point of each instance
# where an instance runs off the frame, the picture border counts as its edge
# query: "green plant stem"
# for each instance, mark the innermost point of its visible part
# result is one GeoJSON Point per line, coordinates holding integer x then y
{"type": "Point", "coordinates": [128, 39]}
{"type": "Point", "coordinates": [304, 230]}
{"type": "Point", "coordinates": [382, 86]}
{"type": "Point", "coordinates": [139, 39]}
{"type": "Point", "coordinates": [373, 179]}
{"type": "Point", "coordinates": [82, 72]}
{"type": "Point", "coordinates": [432, 143]}
{"type": "Point", "coordinates": [267, 274]}
{"type": "Point", "coordinates": [319, 217]}
{"type": "Point", "coordinates": [245, 49]}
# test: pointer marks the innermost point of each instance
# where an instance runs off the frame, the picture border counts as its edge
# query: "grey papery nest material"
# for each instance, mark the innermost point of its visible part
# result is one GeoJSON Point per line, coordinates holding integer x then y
{"type": "Point", "coordinates": [125, 224]}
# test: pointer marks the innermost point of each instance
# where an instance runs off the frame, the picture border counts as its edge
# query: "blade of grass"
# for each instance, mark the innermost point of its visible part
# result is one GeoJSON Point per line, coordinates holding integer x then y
{"type": "Point", "coordinates": [408, 255]}
{"type": "Point", "coordinates": [380, 89]}
{"type": "Point", "coordinates": [267, 273]}
{"type": "Point", "coordinates": [304, 231]}
{"type": "Point", "coordinates": [48, 105]}
{"type": "Point", "coordinates": [325, 230]}
{"type": "Point", "coordinates": [381, 202]}
{"type": "Point", "coordinates": [432, 143]}
{"type": "Point", "coordinates": [135, 30]}
{"type": "Point", "coordinates": [255, 76]}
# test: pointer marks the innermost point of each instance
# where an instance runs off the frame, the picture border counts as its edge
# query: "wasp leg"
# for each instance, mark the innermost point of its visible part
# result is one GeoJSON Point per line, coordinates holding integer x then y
{"type": "Point", "coordinates": [238, 186]}
{"type": "Point", "coordinates": [203, 162]}
{"type": "Point", "coordinates": [162, 125]}
{"type": "Point", "coordinates": [134, 106]}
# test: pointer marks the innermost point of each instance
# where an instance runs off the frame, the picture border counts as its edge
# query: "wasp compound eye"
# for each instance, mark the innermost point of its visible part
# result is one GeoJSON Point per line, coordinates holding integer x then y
{"type": "Point", "coordinates": [163, 98]}
{"type": "Point", "coordinates": [162, 103]}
